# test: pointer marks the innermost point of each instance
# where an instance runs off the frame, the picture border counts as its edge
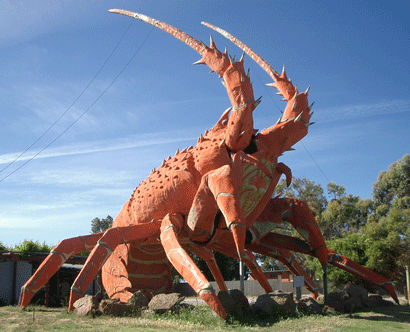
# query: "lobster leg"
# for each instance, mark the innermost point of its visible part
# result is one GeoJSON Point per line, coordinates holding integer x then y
{"type": "Point", "coordinates": [298, 214]}
{"type": "Point", "coordinates": [208, 256]}
{"type": "Point", "coordinates": [223, 243]}
{"type": "Point", "coordinates": [348, 265]}
{"type": "Point", "coordinates": [57, 257]}
{"type": "Point", "coordinates": [171, 234]}
{"type": "Point", "coordinates": [105, 246]}
{"type": "Point", "coordinates": [267, 245]}
{"type": "Point", "coordinates": [287, 258]}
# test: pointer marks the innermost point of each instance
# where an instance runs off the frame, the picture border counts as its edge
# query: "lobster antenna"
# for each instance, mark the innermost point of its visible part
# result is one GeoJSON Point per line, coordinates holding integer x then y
{"type": "Point", "coordinates": [182, 36]}
{"type": "Point", "coordinates": [258, 59]}
{"type": "Point", "coordinates": [282, 83]}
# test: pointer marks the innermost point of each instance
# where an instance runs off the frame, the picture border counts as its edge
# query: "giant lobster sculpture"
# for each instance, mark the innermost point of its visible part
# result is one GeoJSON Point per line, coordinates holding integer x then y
{"type": "Point", "coordinates": [215, 196]}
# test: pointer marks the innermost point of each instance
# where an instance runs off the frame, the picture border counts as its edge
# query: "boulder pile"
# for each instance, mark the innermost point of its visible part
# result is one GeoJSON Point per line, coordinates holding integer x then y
{"type": "Point", "coordinates": [347, 299]}
{"type": "Point", "coordinates": [140, 305]}
{"type": "Point", "coordinates": [351, 298]}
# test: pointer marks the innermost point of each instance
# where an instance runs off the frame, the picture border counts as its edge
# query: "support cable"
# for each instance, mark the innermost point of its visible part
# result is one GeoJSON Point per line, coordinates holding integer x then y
{"type": "Point", "coordinates": [273, 100]}
{"type": "Point", "coordinates": [72, 104]}
{"type": "Point", "coordinates": [79, 117]}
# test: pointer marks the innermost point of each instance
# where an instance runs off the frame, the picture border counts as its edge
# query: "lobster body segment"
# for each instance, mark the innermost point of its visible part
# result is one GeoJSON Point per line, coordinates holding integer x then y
{"type": "Point", "coordinates": [216, 196]}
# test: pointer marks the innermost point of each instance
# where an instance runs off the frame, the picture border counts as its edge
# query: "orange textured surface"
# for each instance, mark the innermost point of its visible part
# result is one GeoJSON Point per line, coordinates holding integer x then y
{"type": "Point", "coordinates": [214, 196]}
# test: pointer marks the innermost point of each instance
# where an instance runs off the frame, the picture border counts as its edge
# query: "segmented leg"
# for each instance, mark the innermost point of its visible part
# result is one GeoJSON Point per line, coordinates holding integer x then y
{"type": "Point", "coordinates": [268, 245]}
{"type": "Point", "coordinates": [105, 246]}
{"type": "Point", "coordinates": [208, 256]}
{"type": "Point", "coordinates": [223, 242]}
{"type": "Point", "coordinates": [298, 214]}
{"type": "Point", "coordinates": [287, 258]}
{"type": "Point", "coordinates": [348, 265]}
{"type": "Point", "coordinates": [171, 232]}
{"type": "Point", "coordinates": [57, 257]}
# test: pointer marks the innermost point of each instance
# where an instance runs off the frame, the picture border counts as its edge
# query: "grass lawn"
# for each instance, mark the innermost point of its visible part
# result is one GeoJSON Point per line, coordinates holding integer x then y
{"type": "Point", "coordinates": [37, 318]}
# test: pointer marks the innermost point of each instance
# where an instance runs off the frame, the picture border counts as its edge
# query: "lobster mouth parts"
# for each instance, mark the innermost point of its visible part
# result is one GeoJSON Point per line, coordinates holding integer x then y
{"type": "Point", "coordinates": [252, 147]}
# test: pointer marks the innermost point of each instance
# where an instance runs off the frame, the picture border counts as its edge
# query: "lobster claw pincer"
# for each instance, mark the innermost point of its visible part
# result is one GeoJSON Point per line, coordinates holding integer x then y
{"type": "Point", "coordinates": [283, 169]}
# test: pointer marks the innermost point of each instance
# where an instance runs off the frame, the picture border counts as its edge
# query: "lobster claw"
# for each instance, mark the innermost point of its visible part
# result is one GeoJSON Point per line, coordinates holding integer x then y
{"type": "Point", "coordinates": [283, 169]}
{"type": "Point", "coordinates": [356, 269]}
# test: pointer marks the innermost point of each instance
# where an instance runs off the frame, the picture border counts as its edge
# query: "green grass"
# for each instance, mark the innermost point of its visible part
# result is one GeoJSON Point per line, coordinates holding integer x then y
{"type": "Point", "coordinates": [37, 318]}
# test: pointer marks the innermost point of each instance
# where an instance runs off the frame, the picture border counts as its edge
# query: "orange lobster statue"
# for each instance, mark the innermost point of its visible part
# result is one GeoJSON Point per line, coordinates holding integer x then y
{"type": "Point", "coordinates": [215, 196]}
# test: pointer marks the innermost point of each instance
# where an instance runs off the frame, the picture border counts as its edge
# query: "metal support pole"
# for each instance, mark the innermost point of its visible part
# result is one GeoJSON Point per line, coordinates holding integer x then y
{"type": "Point", "coordinates": [46, 300]}
{"type": "Point", "coordinates": [101, 286]}
{"type": "Point", "coordinates": [298, 293]}
{"type": "Point", "coordinates": [13, 295]}
{"type": "Point", "coordinates": [241, 278]}
{"type": "Point", "coordinates": [298, 282]}
{"type": "Point", "coordinates": [325, 282]}
{"type": "Point", "coordinates": [408, 283]}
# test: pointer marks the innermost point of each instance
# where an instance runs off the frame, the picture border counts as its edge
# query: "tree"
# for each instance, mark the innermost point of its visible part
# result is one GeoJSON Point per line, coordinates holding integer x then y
{"type": "Point", "coordinates": [389, 227]}
{"type": "Point", "coordinates": [305, 190]}
{"type": "Point", "coordinates": [2, 247]}
{"type": "Point", "coordinates": [393, 183]}
{"type": "Point", "coordinates": [101, 225]}
{"type": "Point", "coordinates": [29, 246]}
{"type": "Point", "coordinates": [228, 266]}
{"type": "Point", "coordinates": [352, 246]}
{"type": "Point", "coordinates": [375, 234]}
{"type": "Point", "coordinates": [345, 214]}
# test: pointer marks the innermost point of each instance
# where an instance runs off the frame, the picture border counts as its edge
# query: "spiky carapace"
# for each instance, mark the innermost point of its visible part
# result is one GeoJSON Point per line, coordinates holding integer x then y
{"type": "Point", "coordinates": [214, 196]}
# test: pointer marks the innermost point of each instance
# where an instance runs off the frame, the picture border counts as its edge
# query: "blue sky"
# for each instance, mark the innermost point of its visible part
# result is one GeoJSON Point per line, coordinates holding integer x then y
{"type": "Point", "coordinates": [354, 54]}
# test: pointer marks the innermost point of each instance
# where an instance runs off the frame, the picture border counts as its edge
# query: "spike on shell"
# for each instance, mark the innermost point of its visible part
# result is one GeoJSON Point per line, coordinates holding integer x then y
{"type": "Point", "coordinates": [211, 42]}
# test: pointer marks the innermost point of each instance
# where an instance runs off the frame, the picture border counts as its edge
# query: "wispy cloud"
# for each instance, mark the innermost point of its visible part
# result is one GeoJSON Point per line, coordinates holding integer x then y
{"type": "Point", "coordinates": [354, 111]}
{"type": "Point", "coordinates": [129, 142]}
{"type": "Point", "coordinates": [24, 20]}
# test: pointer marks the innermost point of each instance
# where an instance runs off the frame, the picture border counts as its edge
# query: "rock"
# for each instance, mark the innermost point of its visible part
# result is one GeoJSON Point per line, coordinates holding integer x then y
{"type": "Point", "coordinates": [163, 302]}
{"type": "Point", "coordinates": [301, 306]}
{"type": "Point", "coordinates": [372, 301]}
{"type": "Point", "coordinates": [355, 290]}
{"type": "Point", "coordinates": [336, 301]}
{"type": "Point", "coordinates": [231, 307]}
{"type": "Point", "coordinates": [86, 305]}
{"type": "Point", "coordinates": [285, 300]}
{"type": "Point", "coordinates": [240, 299]}
{"type": "Point", "coordinates": [320, 299]}
{"type": "Point", "coordinates": [335, 296]}
{"type": "Point", "coordinates": [353, 304]}
{"type": "Point", "coordinates": [337, 305]}
{"type": "Point", "coordinates": [138, 300]}
{"type": "Point", "coordinates": [265, 306]}
{"type": "Point", "coordinates": [329, 310]}
{"type": "Point", "coordinates": [116, 308]}
{"type": "Point", "coordinates": [308, 306]}
{"type": "Point", "coordinates": [274, 304]}
{"type": "Point", "coordinates": [386, 303]}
